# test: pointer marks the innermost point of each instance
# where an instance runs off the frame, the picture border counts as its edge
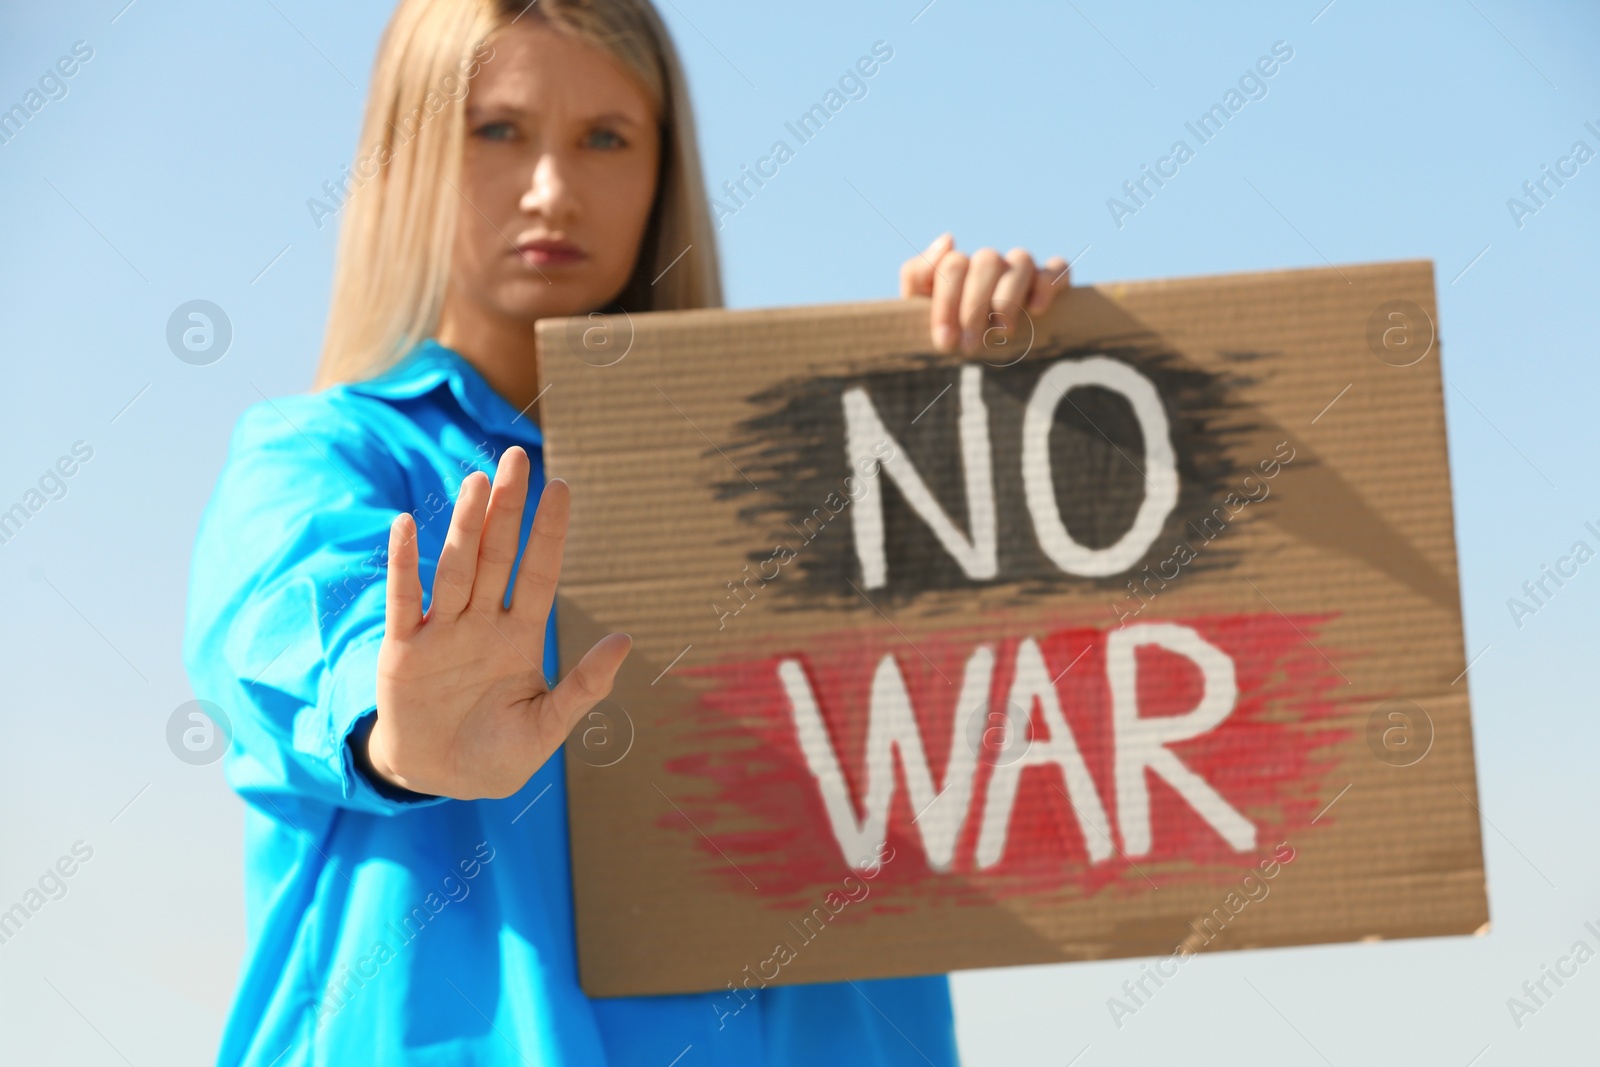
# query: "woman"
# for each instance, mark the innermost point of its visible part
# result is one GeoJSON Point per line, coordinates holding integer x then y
{"type": "Point", "coordinates": [409, 898]}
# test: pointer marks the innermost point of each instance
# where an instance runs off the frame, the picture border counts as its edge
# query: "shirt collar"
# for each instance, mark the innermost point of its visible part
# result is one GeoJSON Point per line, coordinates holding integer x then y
{"type": "Point", "coordinates": [430, 365]}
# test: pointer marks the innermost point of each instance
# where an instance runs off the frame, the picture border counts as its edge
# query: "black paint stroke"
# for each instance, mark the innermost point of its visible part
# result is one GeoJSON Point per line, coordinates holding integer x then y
{"type": "Point", "coordinates": [795, 448]}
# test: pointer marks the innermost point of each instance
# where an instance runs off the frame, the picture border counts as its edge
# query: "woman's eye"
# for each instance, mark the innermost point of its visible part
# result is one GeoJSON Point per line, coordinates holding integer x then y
{"type": "Point", "coordinates": [495, 131]}
{"type": "Point", "coordinates": [605, 139]}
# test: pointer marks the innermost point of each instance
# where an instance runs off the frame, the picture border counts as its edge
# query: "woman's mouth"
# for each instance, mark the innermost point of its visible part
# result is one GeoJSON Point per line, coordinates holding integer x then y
{"type": "Point", "coordinates": [548, 252]}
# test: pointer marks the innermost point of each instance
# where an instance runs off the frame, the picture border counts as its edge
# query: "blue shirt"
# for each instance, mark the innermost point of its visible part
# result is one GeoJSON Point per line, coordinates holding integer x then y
{"type": "Point", "coordinates": [389, 928]}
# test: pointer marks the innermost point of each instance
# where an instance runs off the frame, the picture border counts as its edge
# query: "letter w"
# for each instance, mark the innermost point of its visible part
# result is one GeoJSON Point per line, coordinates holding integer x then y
{"type": "Point", "coordinates": [891, 726]}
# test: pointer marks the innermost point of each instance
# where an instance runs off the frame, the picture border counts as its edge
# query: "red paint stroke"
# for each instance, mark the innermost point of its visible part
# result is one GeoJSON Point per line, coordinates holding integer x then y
{"type": "Point", "coordinates": [762, 809]}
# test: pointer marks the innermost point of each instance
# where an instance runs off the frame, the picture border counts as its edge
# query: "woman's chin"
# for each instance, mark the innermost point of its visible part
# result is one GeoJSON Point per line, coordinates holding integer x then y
{"type": "Point", "coordinates": [552, 296]}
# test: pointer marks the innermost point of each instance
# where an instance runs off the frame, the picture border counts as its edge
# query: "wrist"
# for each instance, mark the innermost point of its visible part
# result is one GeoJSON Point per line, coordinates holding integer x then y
{"type": "Point", "coordinates": [371, 761]}
{"type": "Point", "coordinates": [378, 753]}
{"type": "Point", "coordinates": [367, 746]}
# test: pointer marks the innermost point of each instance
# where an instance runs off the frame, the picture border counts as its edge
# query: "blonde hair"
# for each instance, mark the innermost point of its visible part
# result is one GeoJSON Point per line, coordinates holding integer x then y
{"type": "Point", "coordinates": [399, 221]}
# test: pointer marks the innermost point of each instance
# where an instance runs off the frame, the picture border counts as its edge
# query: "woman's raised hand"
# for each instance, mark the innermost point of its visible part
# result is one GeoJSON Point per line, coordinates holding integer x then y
{"type": "Point", "coordinates": [464, 708]}
{"type": "Point", "coordinates": [986, 291]}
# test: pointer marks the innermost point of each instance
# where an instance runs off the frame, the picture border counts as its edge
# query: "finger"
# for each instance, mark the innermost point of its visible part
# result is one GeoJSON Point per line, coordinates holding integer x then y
{"type": "Point", "coordinates": [948, 279]}
{"type": "Point", "coordinates": [1013, 289]}
{"type": "Point", "coordinates": [590, 681]}
{"type": "Point", "coordinates": [977, 296]}
{"type": "Point", "coordinates": [541, 559]}
{"type": "Point", "coordinates": [1054, 278]}
{"type": "Point", "coordinates": [916, 273]}
{"type": "Point", "coordinates": [402, 612]}
{"type": "Point", "coordinates": [458, 560]}
{"type": "Point", "coordinates": [501, 529]}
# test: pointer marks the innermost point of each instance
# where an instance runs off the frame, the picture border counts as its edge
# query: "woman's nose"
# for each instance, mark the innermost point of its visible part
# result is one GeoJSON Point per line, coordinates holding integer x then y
{"type": "Point", "coordinates": [550, 192]}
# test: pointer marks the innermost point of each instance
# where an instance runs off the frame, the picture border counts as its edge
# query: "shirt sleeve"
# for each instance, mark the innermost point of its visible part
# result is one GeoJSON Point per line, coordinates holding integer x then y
{"type": "Point", "coordinates": [286, 601]}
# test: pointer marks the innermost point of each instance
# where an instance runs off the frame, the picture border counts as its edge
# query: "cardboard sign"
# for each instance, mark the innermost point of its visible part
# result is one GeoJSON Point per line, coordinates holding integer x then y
{"type": "Point", "coordinates": [1138, 634]}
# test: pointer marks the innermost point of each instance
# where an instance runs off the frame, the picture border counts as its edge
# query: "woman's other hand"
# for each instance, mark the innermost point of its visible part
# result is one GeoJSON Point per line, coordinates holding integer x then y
{"type": "Point", "coordinates": [973, 295]}
{"type": "Point", "coordinates": [464, 708]}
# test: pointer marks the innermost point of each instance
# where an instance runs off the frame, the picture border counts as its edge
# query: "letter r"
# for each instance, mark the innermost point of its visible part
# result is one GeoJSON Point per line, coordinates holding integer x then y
{"type": "Point", "coordinates": [1142, 742]}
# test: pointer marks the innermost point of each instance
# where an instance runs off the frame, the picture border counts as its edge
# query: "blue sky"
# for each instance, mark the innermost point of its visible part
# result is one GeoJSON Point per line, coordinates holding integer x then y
{"type": "Point", "coordinates": [178, 164]}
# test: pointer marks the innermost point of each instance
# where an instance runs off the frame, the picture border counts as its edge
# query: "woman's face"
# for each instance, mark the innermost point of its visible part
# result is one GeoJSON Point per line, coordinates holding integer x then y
{"type": "Point", "coordinates": [558, 177]}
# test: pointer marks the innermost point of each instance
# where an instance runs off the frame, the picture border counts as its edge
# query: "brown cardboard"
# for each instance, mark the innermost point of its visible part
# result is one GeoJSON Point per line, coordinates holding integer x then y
{"type": "Point", "coordinates": [698, 443]}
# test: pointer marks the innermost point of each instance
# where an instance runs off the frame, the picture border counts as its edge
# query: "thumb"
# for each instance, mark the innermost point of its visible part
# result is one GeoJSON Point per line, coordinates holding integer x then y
{"type": "Point", "coordinates": [590, 681]}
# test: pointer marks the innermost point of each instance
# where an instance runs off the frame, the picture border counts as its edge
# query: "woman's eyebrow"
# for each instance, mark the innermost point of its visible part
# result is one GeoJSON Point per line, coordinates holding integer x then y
{"type": "Point", "coordinates": [616, 116]}
{"type": "Point", "coordinates": [476, 111]}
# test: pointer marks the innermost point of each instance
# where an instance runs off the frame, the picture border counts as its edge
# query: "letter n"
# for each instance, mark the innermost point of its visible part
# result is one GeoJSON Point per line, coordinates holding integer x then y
{"type": "Point", "coordinates": [864, 431]}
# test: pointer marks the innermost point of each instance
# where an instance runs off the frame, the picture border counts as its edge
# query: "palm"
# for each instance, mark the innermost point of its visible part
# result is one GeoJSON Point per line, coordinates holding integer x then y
{"type": "Point", "coordinates": [464, 709]}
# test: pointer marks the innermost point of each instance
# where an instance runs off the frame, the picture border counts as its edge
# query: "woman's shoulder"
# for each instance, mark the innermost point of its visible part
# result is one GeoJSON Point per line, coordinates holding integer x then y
{"type": "Point", "coordinates": [309, 438]}
{"type": "Point", "coordinates": [336, 415]}
{"type": "Point", "coordinates": [373, 415]}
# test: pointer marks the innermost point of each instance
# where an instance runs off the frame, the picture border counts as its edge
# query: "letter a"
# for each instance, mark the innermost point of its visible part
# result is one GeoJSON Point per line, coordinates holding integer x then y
{"type": "Point", "coordinates": [1519, 211]}
{"type": "Point", "coordinates": [1032, 683]}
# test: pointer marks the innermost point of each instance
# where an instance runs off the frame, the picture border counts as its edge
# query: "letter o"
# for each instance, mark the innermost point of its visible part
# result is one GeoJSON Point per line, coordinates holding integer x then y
{"type": "Point", "coordinates": [1160, 474]}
